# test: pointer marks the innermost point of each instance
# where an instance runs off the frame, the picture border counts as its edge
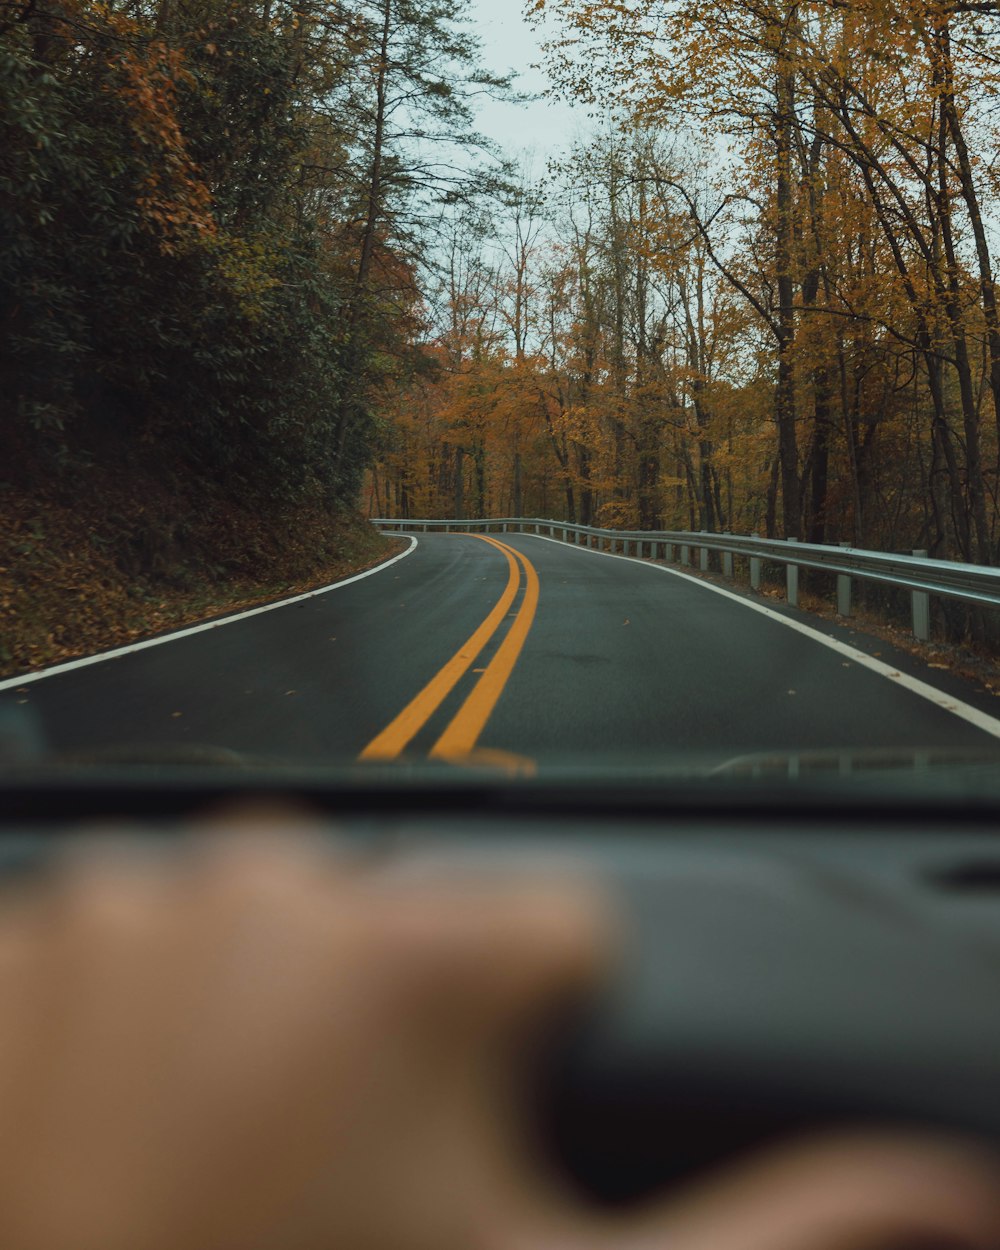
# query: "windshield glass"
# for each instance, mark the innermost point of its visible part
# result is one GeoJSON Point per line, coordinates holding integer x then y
{"type": "Point", "coordinates": [607, 387]}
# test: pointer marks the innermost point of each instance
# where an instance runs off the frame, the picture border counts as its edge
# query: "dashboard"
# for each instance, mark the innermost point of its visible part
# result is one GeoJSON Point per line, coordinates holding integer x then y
{"type": "Point", "coordinates": [789, 961]}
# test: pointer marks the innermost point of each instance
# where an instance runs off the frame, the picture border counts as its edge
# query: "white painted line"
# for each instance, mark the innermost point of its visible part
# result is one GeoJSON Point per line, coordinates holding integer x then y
{"type": "Point", "coordinates": [27, 678]}
{"type": "Point", "coordinates": [964, 711]}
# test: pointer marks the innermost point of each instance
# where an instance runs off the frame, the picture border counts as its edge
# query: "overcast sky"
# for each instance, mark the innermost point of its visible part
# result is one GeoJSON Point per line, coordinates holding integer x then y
{"type": "Point", "coordinates": [542, 128]}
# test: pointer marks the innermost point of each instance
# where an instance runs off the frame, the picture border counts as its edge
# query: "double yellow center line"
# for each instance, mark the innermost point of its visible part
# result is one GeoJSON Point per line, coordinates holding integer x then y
{"type": "Point", "coordinates": [458, 741]}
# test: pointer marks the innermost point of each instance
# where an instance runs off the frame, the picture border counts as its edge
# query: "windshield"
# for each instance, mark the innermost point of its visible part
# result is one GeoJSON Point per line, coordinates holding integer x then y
{"type": "Point", "coordinates": [611, 388]}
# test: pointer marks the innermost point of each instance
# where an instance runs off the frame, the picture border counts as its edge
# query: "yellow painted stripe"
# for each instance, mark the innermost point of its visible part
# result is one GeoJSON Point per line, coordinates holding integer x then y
{"type": "Point", "coordinates": [461, 736]}
{"type": "Point", "coordinates": [397, 736]}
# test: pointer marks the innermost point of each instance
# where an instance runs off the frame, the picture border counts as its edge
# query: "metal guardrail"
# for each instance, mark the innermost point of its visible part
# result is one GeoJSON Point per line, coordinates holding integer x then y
{"type": "Point", "coordinates": [916, 573]}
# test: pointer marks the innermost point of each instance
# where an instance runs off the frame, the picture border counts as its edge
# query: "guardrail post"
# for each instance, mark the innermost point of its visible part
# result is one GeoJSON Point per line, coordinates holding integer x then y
{"type": "Point", "coordinates": [921, 610]}
{"type": "Point", "coordinates": [792, 580]}
{"type": "Point", "coordinates": [755, 568]}
{"type": "Point", "coordinates": [685, 555]}
{"type": "Point", "coordinates": [844, 591]}
{"type": "Point", "coordinates": [727, 561]}
{"type": "Point", "coordinates": [703, 560]}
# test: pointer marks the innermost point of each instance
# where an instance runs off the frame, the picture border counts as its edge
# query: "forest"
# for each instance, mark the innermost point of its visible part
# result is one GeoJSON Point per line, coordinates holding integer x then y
{"type": "Point", "coordinates": [761, 297]}
{"type": "Point", "coordinates": [215, 216]}
{"type": "Point", "coordinates": [260, 276]}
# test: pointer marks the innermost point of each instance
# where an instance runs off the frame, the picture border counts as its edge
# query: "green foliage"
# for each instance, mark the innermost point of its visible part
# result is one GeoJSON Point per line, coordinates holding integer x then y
{"type": "Point", "coordinates": [207, 239]}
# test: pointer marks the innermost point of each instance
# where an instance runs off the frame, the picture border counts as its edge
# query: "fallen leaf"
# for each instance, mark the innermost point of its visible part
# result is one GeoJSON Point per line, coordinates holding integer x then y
{"type": "Point", "coordinates": [288, 692]}
{"type": "Point", "coordinates": [176, 714]}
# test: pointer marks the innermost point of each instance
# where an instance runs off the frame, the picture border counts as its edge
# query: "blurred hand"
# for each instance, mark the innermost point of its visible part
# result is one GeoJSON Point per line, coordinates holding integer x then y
{"type": "Point", "coordinates": [250, 1045]}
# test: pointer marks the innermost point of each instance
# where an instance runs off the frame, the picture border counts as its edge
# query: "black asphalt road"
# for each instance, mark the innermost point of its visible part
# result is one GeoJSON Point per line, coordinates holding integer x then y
{"type": "Point", "coordinates": [622, 660]}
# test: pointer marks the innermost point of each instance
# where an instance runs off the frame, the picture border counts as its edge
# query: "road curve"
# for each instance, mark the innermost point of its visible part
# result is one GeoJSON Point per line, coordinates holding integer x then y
{"type": "Point", "coordinates": [529, 649]}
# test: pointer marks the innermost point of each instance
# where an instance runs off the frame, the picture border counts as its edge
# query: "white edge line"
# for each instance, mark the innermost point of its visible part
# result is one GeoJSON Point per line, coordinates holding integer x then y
{"type": "Point", "coordinates": [964, 711]}
{"type": "Point", "coordinates": [26, 679]}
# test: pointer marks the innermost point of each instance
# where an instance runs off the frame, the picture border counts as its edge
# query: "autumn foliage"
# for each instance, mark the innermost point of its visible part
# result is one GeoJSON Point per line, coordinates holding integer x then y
{"type": "Point", "coordinates": [761, 297]}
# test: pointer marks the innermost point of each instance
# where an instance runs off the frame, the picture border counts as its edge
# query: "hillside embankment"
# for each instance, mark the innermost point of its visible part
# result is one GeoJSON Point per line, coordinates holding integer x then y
{"type": "Point", "coordinates": [98, 560]}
